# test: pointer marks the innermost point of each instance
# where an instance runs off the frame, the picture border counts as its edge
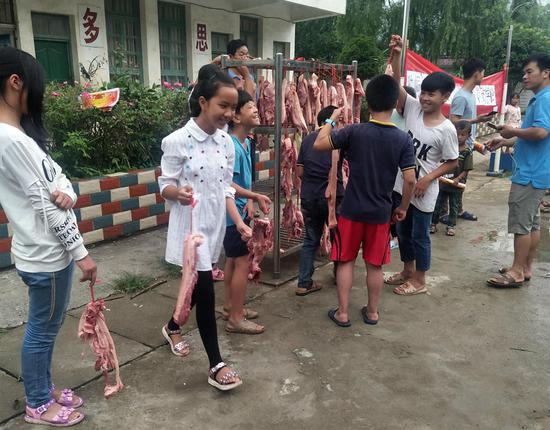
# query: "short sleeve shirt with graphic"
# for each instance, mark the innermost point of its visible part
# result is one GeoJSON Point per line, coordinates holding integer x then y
{"type": "Point", "coordinates": [432, 146]}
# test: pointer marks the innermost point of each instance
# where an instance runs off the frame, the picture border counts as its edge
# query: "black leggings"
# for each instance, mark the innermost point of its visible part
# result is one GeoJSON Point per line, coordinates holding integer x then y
{"type": "Point", "coordinates": [203, 298]}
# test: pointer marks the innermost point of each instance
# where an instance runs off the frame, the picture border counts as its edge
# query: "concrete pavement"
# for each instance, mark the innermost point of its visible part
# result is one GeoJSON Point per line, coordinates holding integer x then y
{"type": "Point", "coordinates": [463, 356]}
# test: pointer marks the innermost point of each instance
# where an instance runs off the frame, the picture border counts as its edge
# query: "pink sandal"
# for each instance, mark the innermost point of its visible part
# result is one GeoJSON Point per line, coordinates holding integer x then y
{"type": "Point", "coordinates": [67, 398]}
{"type": "Point", "coordinates": [61, 419]}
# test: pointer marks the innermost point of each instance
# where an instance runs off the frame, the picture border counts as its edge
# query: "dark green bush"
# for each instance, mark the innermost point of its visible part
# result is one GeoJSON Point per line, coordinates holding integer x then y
{"type": "Point", "coordinates": [92, 142]}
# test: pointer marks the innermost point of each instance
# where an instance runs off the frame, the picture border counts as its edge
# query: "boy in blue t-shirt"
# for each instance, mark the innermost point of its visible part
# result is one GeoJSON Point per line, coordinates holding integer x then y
{"type": "Point", "coordinates": [376, 151]}
{"type": "Point", "coordinates": [236, 250]}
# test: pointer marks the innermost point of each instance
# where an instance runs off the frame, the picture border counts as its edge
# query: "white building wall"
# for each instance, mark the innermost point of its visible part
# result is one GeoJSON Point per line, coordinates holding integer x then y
{"type": "Point", "coordinates": [276, 30]}
{"type": "Point", "coordinates": [216, 21]}
{"type": "Point", "coordinates": [150, 41]}
{"type": "Point", "coordinates": [80, 53]}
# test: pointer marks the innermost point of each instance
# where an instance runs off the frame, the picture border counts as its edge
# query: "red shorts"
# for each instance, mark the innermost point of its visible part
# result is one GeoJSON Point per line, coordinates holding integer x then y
{"type": "Point", "coordinates": [349, 235]}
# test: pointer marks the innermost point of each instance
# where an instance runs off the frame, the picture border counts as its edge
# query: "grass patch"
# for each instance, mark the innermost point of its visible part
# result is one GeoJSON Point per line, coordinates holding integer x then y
{"type": "Point", "coordinates": [173, 271]}
{"type": "Point", "coordinates": [130, 283]}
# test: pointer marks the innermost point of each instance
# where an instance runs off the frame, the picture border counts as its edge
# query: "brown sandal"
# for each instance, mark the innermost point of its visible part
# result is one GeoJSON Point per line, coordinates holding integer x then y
{"type": "Point", "coordinates": [244, 327]}
{"type": "Point", "coordinates": [395, 279]}
{"type": "Point", "coordinates": [249, 314]}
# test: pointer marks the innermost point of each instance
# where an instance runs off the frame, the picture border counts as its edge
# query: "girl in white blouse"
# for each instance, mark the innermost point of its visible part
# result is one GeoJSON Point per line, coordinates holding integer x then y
{"type": "Point", "coordinates": [197, 164]}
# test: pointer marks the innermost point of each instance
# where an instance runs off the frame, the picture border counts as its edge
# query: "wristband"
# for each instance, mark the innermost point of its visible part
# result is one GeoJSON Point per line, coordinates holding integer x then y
{"type": "Point", "coordinates": [331, 122]}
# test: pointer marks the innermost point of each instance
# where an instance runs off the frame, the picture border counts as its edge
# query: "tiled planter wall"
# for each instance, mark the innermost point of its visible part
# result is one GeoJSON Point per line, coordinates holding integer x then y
{"type": "Point", "coordinates": [108, 207]}
{"type": "Point", "coordinates": [120, 204]}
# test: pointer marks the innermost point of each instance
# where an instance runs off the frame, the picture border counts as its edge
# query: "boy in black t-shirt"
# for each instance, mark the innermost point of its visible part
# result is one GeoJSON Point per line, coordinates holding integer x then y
{"type": "Point", "coordinates": [453, 191]}
{"type": "Point", "coordinates": [375, 151]}
{"type": "Point", "coordinates": [313, 168]}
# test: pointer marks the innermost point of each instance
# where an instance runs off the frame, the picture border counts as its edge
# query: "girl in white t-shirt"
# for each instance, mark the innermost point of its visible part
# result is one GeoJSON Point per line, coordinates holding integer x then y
{"type": "Point", "coordinates": [37, 199]}
{"type": "Point", "coordinates": [512, 112]}
{"type": "Point", "coordinates": [197, 163]}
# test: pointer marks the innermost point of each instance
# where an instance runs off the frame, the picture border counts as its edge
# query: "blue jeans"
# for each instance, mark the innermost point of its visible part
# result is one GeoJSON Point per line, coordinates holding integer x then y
{"type": "Point", "coordinates": [49, 295]}
{"type": "Point", "coordinates": [414, 238]}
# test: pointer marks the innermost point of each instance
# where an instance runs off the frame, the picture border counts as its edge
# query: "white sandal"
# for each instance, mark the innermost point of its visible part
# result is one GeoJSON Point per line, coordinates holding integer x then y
{"type": "Point", "coordinates": [223, 384]}
{"type": "Point", "coordinates": [181, 349]}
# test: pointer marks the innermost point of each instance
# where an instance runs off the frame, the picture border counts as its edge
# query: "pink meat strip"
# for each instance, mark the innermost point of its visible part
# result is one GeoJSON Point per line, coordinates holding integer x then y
{"type": "Point", "coordinates": [324, 94]}
{"type": "Point", "coordinates": [314, 96]}
{"type": "Point", "coordinates": [259, 245]}
{"type": "Point", "coordinates": [349, 99]}
{"type": "Point", "coordinates": [296, 114]}
{"type": "Point", "coordinates": [293, 220]}
{"type": "Point", "coordinates": [188, 278]}
{"type": "Point", "coordinates": [325, 245]}
{"type": "Point", "coordinates": [358, 98]}
{"type": "Point", "coordinates": [92, 329]}
{"type": "Point", "coordinates": [288, 166]}
{"type": "Point", "coordinates": [333, 96]}
{"type": "Point", "coordinates": [342, 100]}
{"type": "Point", "coordinates": [303, 96]}
{"type": "Point", "coordinates": [269, 102]}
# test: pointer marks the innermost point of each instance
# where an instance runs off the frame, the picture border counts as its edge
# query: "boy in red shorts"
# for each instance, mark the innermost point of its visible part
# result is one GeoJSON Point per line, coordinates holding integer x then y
{"type": "Point", "coordinates": [375, 150]}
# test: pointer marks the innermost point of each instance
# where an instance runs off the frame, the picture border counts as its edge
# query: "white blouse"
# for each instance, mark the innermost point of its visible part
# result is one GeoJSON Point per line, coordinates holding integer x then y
{"type": "Point", "coordinates": [205, 162]}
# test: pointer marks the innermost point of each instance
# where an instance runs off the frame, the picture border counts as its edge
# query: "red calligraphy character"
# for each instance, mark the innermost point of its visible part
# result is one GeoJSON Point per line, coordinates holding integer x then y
{"type": "Point", "coordinates": [92, 31]}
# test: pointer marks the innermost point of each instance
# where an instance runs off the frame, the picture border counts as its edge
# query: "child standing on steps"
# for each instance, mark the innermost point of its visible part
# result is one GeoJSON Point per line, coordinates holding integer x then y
{"type": "Point", "coordinates": [452, 192]}
{"type": "Point", "coordinates": [197, 162]}
{"type": "Point", "coordinates": [37, 199]}
{"type": "Point", "coordinates": [236, 250]}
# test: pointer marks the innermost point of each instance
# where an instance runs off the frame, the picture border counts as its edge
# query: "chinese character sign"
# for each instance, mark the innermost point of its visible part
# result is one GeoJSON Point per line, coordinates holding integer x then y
{"type": "Point", "coordinates": [201, 42]}
{"type": "Point", "coordinates": [91, 26]}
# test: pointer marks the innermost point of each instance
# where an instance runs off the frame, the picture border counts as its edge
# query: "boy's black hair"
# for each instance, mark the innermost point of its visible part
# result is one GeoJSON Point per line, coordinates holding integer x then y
{"type": "Point", "coordinates": [472, 66]}
{"type": "Point", "coordinates": [244, 98]}
{"type": "Point", "coordinates": [438, 81]}
{"type": "Point", "coordinates": [410, 91]}
{"type": "Point", "coordinates": [209, 81]}
{"type": "Point", "coordinates": [542, 60]}
{"type": "Point", "coordinates": [234, 45]}
{"type": "Point", "coordinates": [16, 62]}
{"type": "Point", "coordinates": [463, 125]}
{"type": "Point", "coordinates": [325, 114]}
{"type": "Point", "coordinates": [382, 93]}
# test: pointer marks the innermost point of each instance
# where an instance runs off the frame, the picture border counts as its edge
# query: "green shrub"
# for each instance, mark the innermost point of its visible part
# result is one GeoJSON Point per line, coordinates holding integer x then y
{"type": "Point", "coordinates": [92, 142]}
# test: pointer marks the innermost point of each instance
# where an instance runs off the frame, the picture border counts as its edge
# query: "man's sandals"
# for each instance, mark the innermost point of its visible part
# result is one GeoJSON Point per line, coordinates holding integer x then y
{"type": "Point", "coordinates": [249, 314]}
{"type": "Point", "coordinates": [228, 381]}
{"type": "Point", "coordinates": [504, 281]}
{"type": "Point", "coordinates": [181, 349]}
{"type": "Point", "coordinates": [244, 327]}
{"type": "Point", "coordinates": [408, 289]}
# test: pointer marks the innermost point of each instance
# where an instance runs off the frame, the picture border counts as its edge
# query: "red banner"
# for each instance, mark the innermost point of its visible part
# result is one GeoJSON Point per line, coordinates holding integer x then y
{"type": "Point", "coordinates": [488, 94]}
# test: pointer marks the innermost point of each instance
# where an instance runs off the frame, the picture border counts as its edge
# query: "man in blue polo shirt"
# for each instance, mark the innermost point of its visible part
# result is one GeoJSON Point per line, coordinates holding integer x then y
{"type": "Point", "coordinates": [531, 177]}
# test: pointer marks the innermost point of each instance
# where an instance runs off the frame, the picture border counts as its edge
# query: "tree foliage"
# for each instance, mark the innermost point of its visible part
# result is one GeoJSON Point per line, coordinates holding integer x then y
{"type": "Point", "coordinates": [457, 29]}
{"type": "Point", "coordinates": [364, 50]}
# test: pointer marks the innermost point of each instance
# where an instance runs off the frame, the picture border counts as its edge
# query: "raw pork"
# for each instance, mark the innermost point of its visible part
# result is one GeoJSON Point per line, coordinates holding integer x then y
{"type": "Point", "coordinates": [188, 278]}
{"type": "Point", "coordinates": [259, 245]}
{"type": "Point", "coordinates": [92, 329]}
{"type": "Point", "coordinates": [324, 94]}
{"type": "Point", "coordinates": [314, 96]}
{"type": "Point", "coordinates": [333, 96]}
{"type": "Point", "coordinates": [357, 99]}
{"type": "Point", "coordinates": [296, 115]}
{"type": "Point", "coordinates": [349, 98]}
{"type": "Point", "coordinates": [303, 96]}
{"type": "Point", "coordinates": [293, 220]}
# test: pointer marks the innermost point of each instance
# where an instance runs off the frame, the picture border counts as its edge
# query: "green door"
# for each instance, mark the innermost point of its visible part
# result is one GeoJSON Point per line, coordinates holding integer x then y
{"type": "Point", "coordinates": [54, 55]}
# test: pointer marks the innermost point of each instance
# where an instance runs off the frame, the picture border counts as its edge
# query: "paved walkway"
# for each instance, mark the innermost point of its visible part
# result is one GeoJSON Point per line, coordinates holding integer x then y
{"type": "Point", "coordinates": [463, 356]}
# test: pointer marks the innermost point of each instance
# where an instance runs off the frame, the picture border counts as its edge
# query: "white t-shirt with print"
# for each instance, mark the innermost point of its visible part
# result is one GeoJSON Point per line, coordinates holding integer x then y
{"type": "Point", "coordinates": [432, 146]}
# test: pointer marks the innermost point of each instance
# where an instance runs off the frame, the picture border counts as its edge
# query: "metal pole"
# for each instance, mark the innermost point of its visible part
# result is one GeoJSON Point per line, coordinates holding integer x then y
{"type": "Point", "coordinates": [498, 152]}
{"type": "Point", "coordinates": [277, 148]}
{"type": "Point", "coordinates": [405, 33]}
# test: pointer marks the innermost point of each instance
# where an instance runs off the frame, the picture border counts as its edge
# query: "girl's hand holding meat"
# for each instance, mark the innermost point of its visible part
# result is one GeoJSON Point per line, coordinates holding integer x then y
{"type": "Point", "coordinates": [185, 195]}
{"type": "Point", "coordinates": [264, 203]}
{"type": "Point", "coordinates": [245, 231]}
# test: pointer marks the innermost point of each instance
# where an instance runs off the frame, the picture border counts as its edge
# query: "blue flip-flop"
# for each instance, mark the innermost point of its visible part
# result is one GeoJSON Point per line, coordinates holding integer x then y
{"type": "Point", "coordinates": [366, 318]}
{"type": "Point", "coordinates": [468, 216]}
{"type": "Point", "coordinates": [332, 316]}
